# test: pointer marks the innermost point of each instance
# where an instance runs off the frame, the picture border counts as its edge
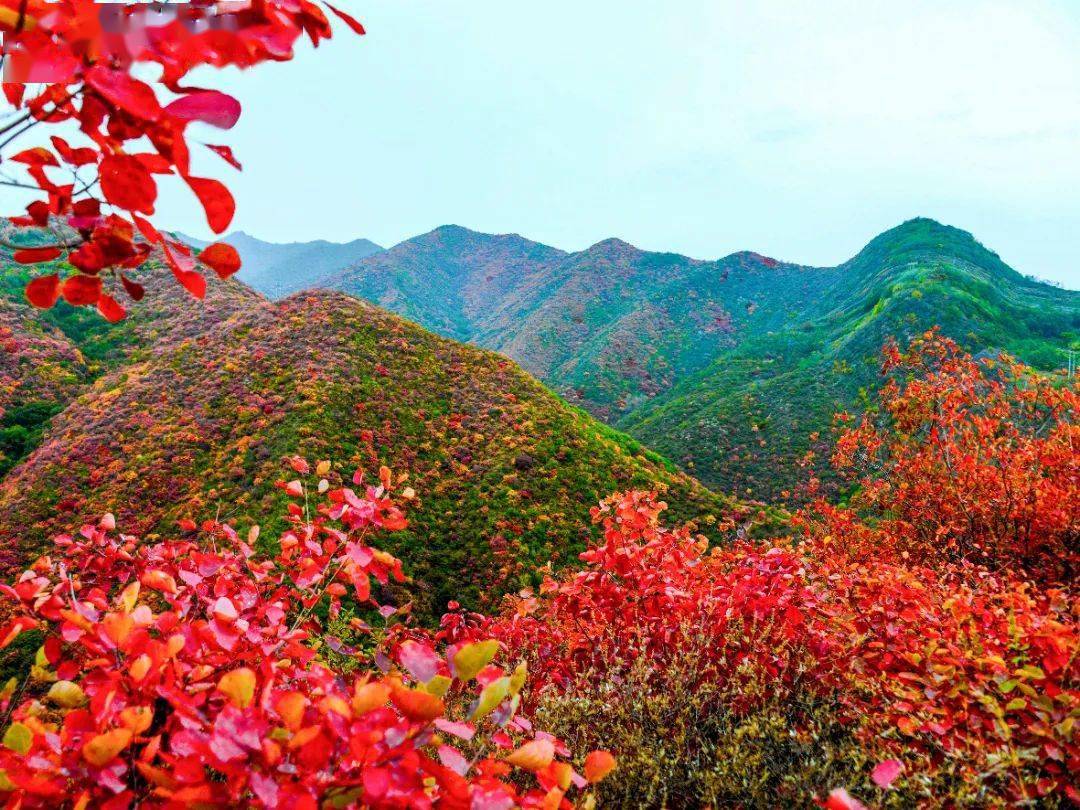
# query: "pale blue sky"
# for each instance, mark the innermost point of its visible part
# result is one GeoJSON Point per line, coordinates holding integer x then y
{"type": "Point", "coordinates": [797, 129]}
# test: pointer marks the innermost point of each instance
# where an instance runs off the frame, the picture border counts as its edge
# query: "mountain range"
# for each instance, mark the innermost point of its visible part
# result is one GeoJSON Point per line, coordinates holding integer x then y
{"type": "Point", "coordinates": [729, 367]}
{"type": "Point", "coordinates": [732, 369]}
{"type": "Point", "coordinates": [280, 269]}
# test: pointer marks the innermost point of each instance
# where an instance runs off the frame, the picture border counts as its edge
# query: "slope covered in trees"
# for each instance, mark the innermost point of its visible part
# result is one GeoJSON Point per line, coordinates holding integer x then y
{"type": "Point", "coordinates": [728, 366]}
{"type": "Point", "coordinates": [193, 415]}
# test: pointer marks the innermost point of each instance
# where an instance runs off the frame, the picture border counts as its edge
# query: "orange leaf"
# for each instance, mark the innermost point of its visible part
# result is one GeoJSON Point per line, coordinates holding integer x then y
{"type": "Point", "coordinates": [533, 756]}
{"type": "Point", "coordinates": [417, 705]}
{"type": "Point", "coordinates": [598, 764]}
{"type": "Point", "coordinates": [239, 686]}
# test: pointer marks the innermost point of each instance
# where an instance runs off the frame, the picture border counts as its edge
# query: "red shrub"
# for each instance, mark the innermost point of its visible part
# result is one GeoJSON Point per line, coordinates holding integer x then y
{"type": "Point", "coordinates": [183, 673]}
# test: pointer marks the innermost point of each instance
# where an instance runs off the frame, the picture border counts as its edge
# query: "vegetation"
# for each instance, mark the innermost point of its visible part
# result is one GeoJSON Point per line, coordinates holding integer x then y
{"type": "Point", "coordinates": [732, 368]}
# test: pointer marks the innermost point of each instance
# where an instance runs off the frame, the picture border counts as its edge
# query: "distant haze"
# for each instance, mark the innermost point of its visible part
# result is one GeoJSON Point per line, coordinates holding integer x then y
{"type": "Point", "coordinates": [700, 126]}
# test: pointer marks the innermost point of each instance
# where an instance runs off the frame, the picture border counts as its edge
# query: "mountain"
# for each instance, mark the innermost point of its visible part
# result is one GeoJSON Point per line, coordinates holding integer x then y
{"type": "Point", "coordinates": [727, 366]}
{"type": "Point", "coordinates": [743, 423]}
{"type": "Point", "coordinates": [195, 422]}
{"type": "Point", "coordinates": [277, 270]}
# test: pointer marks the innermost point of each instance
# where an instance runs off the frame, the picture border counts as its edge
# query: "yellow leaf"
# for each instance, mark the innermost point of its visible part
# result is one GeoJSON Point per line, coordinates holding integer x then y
{"type": "Point", "coordinates": [137, 718]}
{"type": "Point", "coordinates": [370, 696]}
{"type": "Point", "coordinates": [322, 468]}
{"type": "Point", "coordinates": [517, 680]}
{"type": "Point", "coordinates": [101, 750]}
{"type": "Point", "coordinates": [470, 659]}
{"type": "Point", "coordinates": [438, 686]}
{"type": "Point", "coordinates": [494, 694]}
{"type": "Point", "coordinates": [18, 738]}
{"type": "Point", "coordinates": [129, 596]}
{"type": "Point", "coordinates": [239, 686]}
{"type": "Point", "coordinates": [67, 694]}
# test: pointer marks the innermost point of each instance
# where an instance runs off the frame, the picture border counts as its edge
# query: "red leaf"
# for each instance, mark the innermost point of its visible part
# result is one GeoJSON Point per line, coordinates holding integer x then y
{"type": "Point", "coordinates": [83, 156]}
{"type": "Point", "coordinates": [35, 156]}
{"type": "Point", "coordinates": [226, 154]}
{"type": "Point", "coordinates": [148, 231]}
{"type": "Point", "coordinates": [127, 184]}
{"type": "Point", "coordinates": [193, 282]}
{"type": "Point", "coordinates": [352, 22]}
{"type": "Point", "coordinates": [127, 93]}
{"type": "Point", "coordinates": [14, 94]}
{"type": "Point", "coordinates": [216, 201]}
{"type": "Point", "coordinates": [43, 292]}
{"type": "Point", "coordinates": [110, 309]}
{"type": "Point", "coordinates": [209, 106]}
{"type": "Point", "coordinates": [840, 799]}
{"type": "Point", "coordinates": [222, 258]}
{"type": "Point", "coordinates": [81, 290]}
{"type": "Point", "coordinates": [35, 255]}
{"type": "Point", "coordinates": [134, 289]}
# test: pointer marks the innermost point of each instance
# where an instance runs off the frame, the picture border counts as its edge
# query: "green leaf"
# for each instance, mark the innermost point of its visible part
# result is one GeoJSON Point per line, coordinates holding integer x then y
{"type": "Point", "coordinates": [18, 738]}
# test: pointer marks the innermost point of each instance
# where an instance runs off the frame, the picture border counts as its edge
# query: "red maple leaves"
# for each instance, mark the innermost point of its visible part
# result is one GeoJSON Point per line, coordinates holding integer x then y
{"type": "Point", "coordinates": [89, 82]}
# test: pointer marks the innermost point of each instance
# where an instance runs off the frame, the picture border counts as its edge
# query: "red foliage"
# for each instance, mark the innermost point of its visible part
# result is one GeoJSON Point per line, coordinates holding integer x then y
{"type": "Point", "coordinates": [920, 623]}
{"type": "Point", "coordinates": [183, 674]}
{"type": "Point", "coordinates": [971, 460]}
{"type": "Point", "coordinates": [88, 78]}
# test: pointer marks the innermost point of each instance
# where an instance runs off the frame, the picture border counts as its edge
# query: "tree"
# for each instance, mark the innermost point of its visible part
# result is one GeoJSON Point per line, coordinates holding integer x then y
{"type": "Point", "coordinates": [97, 197]}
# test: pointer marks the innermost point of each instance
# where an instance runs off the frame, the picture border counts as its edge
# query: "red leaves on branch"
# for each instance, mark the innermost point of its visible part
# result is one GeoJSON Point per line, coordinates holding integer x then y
{"type": "Point", "coordinates": [87, 77]}
{"type": "Point", "coordinates": [938, 617]}
{"type": "Point", "coordinates": [187, 673]}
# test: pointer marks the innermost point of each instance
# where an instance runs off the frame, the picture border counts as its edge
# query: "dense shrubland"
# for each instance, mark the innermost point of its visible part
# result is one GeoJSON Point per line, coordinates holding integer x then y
{"type": "Point", "coordinates": [886, 651]}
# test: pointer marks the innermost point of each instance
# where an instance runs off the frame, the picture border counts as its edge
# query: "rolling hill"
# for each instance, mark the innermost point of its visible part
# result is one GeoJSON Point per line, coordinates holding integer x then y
{"type": "Point", "coordinates": [193, 419]}
{"type": "Point", "coordinates": [279, 269]}
{"type": "Point", "coordinates": [726, 366]}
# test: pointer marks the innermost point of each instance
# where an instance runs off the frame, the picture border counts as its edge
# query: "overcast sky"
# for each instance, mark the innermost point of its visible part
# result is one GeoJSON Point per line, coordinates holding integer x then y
{"type": "Point", "coordinates": [796, 129]}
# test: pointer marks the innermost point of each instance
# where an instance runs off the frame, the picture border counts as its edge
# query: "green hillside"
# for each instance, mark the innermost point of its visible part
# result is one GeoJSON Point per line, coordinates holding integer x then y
{"type": "Point", "coordinates": [725, 366]}
{"type": "Point", "coordinates": [742, 423]}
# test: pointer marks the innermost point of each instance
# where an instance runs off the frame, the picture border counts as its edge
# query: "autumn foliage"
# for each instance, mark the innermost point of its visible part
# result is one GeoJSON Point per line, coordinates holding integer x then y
{"type": "Point", "coordinates": [185, 673]}
{"type": "Point", "coordinates": [969, 460]}
{"type": "Point", "coordinates": [925, 649]}
{"type": "Point", "coordinates": [97, 196]}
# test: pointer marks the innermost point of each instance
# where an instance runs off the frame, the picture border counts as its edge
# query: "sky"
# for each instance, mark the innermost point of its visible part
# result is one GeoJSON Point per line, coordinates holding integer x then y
{"type": "Point", "coordinates": [799, 130]}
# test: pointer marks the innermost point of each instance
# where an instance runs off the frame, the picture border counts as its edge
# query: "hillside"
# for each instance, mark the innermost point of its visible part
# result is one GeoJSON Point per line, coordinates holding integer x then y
{"type": "Point", "coordinates": [48, 358]}
{"type": "Point", "coordinates": [743, 423]}
{"type": "Point", "coordinates": [505, 471]}
{"type": "Point", "coordinates": [726, 366]}
{"type": "Point", "coordinates": [279, 269]}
